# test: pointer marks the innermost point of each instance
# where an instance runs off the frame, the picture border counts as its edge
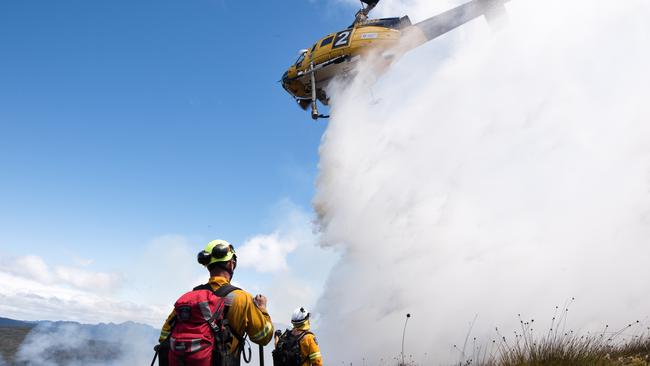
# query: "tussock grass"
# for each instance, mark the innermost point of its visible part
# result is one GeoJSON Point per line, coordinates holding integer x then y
{"type": "Point", "coordinates": [554, 345]}
{"type": "Point", "coordinates": [627, 346]}
{"type": "Point", "coordinates": [569, 350]}
{"type": "Point", "coordinates": [565, 350]}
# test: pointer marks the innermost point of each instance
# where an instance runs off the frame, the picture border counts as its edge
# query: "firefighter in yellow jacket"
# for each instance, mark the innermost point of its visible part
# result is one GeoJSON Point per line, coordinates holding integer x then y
{"type": "Point", "coordinates": [246, 315]}
{"type": "Point", "coordinates": [307, 344]}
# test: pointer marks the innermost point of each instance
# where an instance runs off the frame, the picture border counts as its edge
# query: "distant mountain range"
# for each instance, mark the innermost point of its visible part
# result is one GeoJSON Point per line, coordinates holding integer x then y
{"type": "Point", "coordinates": [11, 323]}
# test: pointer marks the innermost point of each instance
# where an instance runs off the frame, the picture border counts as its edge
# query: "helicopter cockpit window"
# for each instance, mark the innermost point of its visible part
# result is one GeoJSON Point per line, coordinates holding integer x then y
{"type": "Point", "coordinates": [392, 23]}
{"type": "Point", "coordinates": [300, 59]}
{"type": "Point", "coordinates": [326, 41]}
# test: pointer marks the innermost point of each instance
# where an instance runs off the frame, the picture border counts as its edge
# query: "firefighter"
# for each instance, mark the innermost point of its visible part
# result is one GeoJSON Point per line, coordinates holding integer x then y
{"type": "Point", "coordinates": [309, 349]}
{"type": "Point", "coordinates": [246, 315]}
{"type": "Point", "coordinates": [298, 346]}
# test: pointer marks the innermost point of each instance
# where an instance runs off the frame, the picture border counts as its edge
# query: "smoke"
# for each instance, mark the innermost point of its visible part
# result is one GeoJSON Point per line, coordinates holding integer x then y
{"type": "Point", "coordinates": [487, 175]}
{"type": "Point", "coordinates": [72, 344]}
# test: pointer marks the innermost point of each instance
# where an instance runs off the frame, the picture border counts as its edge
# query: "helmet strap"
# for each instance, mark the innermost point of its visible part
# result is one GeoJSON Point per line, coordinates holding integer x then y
{"type": "Point", "coordinates": [231, 271]}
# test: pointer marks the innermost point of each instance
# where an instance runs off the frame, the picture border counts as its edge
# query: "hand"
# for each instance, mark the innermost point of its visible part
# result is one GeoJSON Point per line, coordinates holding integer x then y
{"type": "Point", "coordinates": [260, 301]}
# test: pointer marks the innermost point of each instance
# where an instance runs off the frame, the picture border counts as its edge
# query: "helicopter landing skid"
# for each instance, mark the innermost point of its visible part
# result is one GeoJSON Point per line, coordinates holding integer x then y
{"type": "Point", "coordinates": [314, 106]}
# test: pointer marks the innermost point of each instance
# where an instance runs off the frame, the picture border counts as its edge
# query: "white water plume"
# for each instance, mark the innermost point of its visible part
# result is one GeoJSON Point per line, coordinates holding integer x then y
{"type": "Point", "coordinates": [491, 174]}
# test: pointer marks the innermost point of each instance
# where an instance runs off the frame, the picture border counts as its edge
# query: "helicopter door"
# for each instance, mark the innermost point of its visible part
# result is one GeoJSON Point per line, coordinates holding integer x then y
{"type": "Point", "coordinates": [342, 39]}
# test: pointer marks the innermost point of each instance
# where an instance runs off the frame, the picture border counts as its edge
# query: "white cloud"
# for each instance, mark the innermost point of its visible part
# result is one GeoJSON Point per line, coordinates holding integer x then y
{"type": "Point", "coordinates": [266, 253]}
{"type": "Point", "coordinates": [84, 279]}
{"type": "Point", "coordinates": [34, 268]}
{"type": "Point", "coordinates": [289, 293]}
{"type": "Point", "coordinates": [143, 291]}
{"type": "Point", "coordinates": [163, 270]}
{"type": "Point", "coordinates": [293, 265]}
{"type": "Point", "coordinates": [144, 285]}
{"type": "Point", "coordinates": [82, 262]}
{"type": "Point", "coordinates": [29, 299]}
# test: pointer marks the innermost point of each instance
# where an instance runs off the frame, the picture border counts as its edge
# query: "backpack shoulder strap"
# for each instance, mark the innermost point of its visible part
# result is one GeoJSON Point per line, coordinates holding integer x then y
{"type": "Point", "coordinates": [303, 334]}
{"type": "Point", "coordinates": [205, 286]}
{"type": "Point", "coordinates": [294, 339]}
{"type": "Point", "coordinates": [306, 358]}
{"type": "Point", "coordinates": [224, 290]}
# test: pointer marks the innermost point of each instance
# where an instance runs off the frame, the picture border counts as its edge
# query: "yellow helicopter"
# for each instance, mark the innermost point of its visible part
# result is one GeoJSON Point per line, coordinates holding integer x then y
{"type": "Point", "coordinates": [338, 53]}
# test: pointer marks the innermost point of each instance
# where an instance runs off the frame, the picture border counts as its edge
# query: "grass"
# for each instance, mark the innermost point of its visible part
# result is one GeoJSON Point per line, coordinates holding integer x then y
{"type": "Point", "coordinates": [558, 347]}
{"type": "Point", "coordinates": [565, 350]}
{"type": "Point", "coordinates": [10, 340]}
{"type": "Point", "coordinates": [553, 346]}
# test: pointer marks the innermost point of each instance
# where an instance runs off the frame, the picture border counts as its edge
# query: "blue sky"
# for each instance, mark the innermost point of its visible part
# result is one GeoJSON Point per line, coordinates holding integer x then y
{"type": "Point", "coordinates": [122, 122]}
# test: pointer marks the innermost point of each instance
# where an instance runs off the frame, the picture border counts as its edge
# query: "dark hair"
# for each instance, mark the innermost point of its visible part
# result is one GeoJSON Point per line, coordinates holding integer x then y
{"type": "Point", "coordinates": [221, 265]}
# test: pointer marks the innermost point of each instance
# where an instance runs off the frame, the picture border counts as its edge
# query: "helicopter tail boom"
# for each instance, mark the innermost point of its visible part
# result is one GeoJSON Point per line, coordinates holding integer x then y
{"type": "Point", "coordinates": [451, 19]}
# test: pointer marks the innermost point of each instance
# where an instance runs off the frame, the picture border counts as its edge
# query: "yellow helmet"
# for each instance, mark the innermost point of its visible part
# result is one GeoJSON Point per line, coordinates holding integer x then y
{"type": "Point", "coordinates": [216, 251]}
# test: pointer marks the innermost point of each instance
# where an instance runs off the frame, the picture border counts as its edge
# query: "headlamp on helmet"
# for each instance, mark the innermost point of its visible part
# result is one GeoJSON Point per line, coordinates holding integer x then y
{"type": "Point", "coordinates": [299, 316]}
{"type": "Point", "coordinates": [216, 251]}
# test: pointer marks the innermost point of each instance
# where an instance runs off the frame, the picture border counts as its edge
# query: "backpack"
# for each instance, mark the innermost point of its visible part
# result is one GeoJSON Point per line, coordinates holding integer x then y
{"type": "Point", "coordinates": [200, 332]}
{"type": "Point", "coordinates": [287, 351]}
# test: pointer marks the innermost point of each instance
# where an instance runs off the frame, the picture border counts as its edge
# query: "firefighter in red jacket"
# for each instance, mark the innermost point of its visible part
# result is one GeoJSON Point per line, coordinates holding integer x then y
{"type": "Point", "coordinates": [246, 315]}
